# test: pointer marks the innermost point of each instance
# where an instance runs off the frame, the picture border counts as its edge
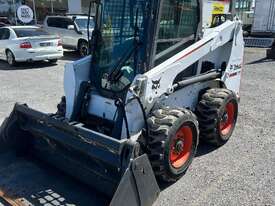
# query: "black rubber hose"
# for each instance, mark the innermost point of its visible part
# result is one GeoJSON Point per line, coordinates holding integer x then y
{"type": "Point", "coordinates": [144, 117]}
{"type": "Point", "coordinates": [120, 104]}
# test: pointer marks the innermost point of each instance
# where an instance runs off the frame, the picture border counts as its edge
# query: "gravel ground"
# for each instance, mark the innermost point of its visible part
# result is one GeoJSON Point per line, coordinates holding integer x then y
{"type": "Point", "coordinates": [39, 84]}
{"type": "Point", "coordinates": [240, 173]}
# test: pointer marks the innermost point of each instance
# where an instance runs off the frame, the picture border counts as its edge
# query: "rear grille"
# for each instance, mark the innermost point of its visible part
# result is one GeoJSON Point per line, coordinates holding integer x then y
{"type": "Point", "coordinates": [259, 42]}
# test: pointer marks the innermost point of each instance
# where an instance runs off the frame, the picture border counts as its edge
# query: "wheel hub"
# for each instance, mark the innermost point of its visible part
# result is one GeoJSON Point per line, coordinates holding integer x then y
{"type": "Point", "coordinates": [228, 119]}
{"type": "Point", "coordinates": [225, 117]}
{"type": "Point", "coordinates": [179, 146]}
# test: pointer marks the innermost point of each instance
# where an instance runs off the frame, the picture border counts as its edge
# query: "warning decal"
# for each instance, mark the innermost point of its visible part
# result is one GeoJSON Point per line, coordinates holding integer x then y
{"type": "Point", "coordinates": [218, 8]}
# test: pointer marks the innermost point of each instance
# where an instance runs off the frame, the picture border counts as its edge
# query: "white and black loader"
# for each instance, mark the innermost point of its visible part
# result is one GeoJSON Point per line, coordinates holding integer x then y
{"type": "Point", "coordinates": [133, 111]}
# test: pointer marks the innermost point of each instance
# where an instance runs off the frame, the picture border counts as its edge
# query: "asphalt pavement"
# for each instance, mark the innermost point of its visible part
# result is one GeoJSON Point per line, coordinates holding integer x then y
{"type": "Point", "coordinates": [242, 172]}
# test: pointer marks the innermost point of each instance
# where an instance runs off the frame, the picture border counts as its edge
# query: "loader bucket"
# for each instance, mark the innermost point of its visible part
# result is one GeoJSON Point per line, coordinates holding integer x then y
{"type": "Point", "coordinates": [48, 151]}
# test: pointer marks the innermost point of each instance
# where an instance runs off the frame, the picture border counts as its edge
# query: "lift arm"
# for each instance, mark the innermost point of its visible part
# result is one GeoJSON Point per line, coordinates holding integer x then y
{"type": "Point", "coordinates": [164, 74]}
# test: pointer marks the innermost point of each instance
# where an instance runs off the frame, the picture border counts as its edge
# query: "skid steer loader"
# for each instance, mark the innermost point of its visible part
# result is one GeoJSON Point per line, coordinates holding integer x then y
{"type": "Point", "coordinates": [133, 111]}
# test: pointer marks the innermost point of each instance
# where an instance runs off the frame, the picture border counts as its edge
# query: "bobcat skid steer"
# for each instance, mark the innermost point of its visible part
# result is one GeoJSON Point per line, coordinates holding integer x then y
{"type": "Point", "coordinates": [133, 111]}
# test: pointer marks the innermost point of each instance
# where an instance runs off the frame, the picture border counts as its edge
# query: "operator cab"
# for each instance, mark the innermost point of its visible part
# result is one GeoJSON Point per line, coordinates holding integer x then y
{"type": "Point", "coordinates": [130, 38]}
{"type": "Point", "coordinates": [124, 43]}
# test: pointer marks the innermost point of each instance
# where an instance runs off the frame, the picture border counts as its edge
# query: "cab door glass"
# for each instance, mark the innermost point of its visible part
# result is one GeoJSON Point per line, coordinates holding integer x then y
{"type": "Point", "coordinates": [177, 28]}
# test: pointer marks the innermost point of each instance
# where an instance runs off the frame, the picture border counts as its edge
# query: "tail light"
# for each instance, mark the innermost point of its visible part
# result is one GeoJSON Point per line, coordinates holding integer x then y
{"type": "Point", "coordinates": [59, 42]}
{"type": "Point", "coordinates": [25, 45]}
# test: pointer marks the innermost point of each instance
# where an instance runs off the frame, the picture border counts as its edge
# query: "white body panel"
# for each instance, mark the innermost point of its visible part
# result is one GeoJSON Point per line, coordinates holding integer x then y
{"type": "Point", "coordinates": [187, 97]}
{"type": "Point", "coordinates": [75, 73]}
{"type": "Point", "coordinates": [43, 47]}
{"type": "Point", "coordinates": [233, 72]}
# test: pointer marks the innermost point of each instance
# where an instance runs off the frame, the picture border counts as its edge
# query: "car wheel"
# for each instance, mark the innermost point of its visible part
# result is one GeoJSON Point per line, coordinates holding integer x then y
{"type": "Point", "coordinates": [83, 48]}
{"type": "Point", "coordinates": [10, 58]}
{"type": "Point", "coordinates": [53, 61]}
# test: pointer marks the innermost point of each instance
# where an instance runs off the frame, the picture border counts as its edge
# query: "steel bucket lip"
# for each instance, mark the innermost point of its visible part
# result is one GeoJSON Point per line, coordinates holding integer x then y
{"type": "Point", "coordinates": [72, 127]}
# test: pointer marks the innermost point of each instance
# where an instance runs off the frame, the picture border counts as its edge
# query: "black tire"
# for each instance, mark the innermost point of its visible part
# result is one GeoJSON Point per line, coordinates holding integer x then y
{"type": "Point", "coordinates": [53, 61]}
{"type": "Point", "coordinates": [217, 113]}
{"type": "Point", "coordinates": [4, 141]}
{"type": "Point", "coordinates": [164, 127]}
{"type": "Point", "coordinates": [10, 58]}
{"type": "Point", "coordinates": [83, 48]}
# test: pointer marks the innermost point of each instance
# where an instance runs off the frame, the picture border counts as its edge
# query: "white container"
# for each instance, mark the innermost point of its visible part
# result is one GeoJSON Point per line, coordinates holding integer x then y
{"type": "Point", "coordinates": [264, 17]}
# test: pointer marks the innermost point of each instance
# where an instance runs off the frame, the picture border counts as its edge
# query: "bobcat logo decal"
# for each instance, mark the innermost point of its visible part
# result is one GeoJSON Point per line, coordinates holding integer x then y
{"type": "Point", "coordinates": [156, 84]}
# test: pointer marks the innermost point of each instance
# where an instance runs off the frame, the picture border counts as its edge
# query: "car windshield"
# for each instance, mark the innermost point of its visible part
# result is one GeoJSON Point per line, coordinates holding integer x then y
{"type": "Point", "coordinates": [119, 20]}
{"type": "Point", "coordinates": [29, 32]}
{"type": "Point", "coordinates": [83, 23]}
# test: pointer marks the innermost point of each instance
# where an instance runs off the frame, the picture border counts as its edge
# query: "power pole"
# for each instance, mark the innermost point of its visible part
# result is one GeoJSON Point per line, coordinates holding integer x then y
{"type": "Point", "coordinates": [14, 8]}
{"type": "Point", "coordinates": [52, 6]}
{"type": "Point", "coordinates": [34, 11]}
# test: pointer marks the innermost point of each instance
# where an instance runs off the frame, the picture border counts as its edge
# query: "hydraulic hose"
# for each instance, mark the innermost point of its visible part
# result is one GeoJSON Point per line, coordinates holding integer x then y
{"type": "Point", "coordinates": [120, 105]}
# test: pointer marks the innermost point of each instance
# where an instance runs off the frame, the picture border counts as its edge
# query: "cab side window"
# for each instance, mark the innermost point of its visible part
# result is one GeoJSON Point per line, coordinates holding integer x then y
{"type": "Point", "coordinates": [177, 29]}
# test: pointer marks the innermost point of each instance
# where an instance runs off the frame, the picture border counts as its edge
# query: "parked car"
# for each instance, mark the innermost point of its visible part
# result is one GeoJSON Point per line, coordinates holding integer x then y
{"type": "Point", "coordinates": [28, 43]}
{"type": "Point", "coordinates": [72, 30]}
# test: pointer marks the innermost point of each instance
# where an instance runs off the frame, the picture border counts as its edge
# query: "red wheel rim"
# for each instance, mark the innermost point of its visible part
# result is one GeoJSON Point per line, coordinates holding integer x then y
{"type": "Point", "coordinates": [181, 147]}
{"type": "Point", "coordinates": [228, 119]}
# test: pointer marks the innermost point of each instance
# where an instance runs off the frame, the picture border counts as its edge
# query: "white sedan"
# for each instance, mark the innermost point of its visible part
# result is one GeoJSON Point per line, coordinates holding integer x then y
{"type": "Point", "coordinates": [28, 44]}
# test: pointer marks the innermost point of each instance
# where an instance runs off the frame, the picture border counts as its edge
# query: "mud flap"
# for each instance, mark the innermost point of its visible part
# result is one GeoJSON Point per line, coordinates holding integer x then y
{"type": "Point", "coordinates": [138, 186]}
